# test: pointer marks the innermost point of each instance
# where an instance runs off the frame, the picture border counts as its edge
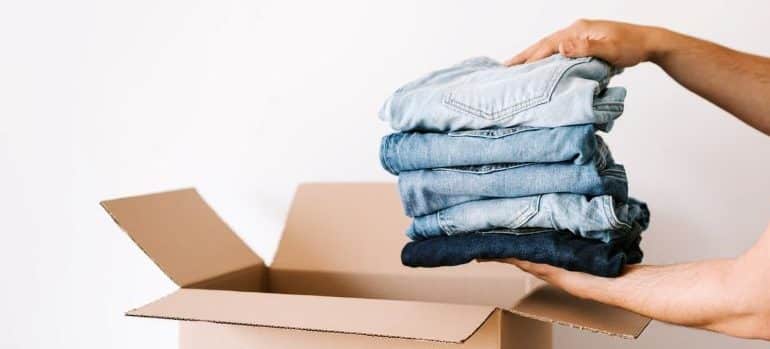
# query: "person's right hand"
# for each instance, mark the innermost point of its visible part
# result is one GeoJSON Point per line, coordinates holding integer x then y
{"type": "Point", "coordinates": [620, 44]}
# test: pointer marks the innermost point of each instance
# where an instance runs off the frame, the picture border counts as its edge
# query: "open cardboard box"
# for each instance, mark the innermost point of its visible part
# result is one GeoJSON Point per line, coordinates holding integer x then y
{"type": "Point", "coordinates": [337, 281]}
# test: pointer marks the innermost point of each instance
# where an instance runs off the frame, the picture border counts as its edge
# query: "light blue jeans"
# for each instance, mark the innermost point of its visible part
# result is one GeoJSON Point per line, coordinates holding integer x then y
{"type": "Point", "coordinates": [428, 191]}
{"type": "Point", "coordinates": [407, 151]}
{"type": "Point", "coordinates": [481, 93]}
{"type": "Point", "coordinates": [594, 218]}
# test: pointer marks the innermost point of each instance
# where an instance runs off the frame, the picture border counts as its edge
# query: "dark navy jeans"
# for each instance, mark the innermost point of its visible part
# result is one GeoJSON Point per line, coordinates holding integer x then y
{"type": "Point", "coordinates": [559, 248]}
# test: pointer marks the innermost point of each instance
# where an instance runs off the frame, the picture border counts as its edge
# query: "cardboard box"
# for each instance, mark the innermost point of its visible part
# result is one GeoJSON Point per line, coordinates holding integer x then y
{"type": "Point", "coordinates": [337, 281]}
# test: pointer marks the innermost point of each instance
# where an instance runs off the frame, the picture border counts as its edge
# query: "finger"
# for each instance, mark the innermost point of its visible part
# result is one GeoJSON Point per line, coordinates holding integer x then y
{"type": "Point", "coordinates": [538, 269]}
{"type": "Point", "coordinates": [587, 47]}
{"type": "Point", "coordinates": [517, 59]}
{"type": "Point", "coordinates": [543, 52]}
{"type": "Point", "coordinates": [526, 266]}
{"type": "Point", "coordinates": [577, 283]}
{"type": "Point", "coordinates": [522, 56]}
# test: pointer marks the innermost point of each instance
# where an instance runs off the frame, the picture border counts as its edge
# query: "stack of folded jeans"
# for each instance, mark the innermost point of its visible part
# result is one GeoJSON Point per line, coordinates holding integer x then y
{"type": "Point", "coordinates": [497, 162]}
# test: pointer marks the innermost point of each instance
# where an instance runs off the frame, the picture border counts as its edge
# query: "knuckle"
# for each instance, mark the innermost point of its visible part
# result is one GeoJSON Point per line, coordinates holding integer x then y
{"type": "Point", "coordinates": [584, 43]}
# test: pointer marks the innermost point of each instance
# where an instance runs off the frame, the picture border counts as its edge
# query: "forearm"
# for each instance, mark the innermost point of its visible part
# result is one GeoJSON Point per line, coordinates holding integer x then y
{"type": "Point", "coordinates": [735, 81]}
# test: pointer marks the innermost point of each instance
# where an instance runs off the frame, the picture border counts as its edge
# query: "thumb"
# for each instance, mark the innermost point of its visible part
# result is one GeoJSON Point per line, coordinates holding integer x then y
{"type": "Point", "coordinates": [584, 47]}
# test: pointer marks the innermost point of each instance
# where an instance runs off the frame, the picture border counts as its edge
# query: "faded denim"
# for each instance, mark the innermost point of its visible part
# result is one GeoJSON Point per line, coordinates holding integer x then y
{"type": "Point", "coordinates": [559, 248]}
{"type": "Point", "coordinates": [598, 218]}
{"type": "Point", "coordinates": [481, 93]}
{"type": "Point", "coordinates": [428, 191]}
{"type": "Point", "coordinates": [416, 151]}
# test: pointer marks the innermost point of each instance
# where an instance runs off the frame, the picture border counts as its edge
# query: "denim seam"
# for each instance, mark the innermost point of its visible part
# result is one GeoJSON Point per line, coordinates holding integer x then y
{"type": "Point", "coordinates": [503, 132]}
{"type": "Point", "coordinates": [443, 224]}
{"type": "Point", "coordinates": [520, 106]}
{"type": "Point", "coordinates": [498, 168]}
{"type": "Point", "coordinates": [527, 213]}
{"type": "Point", "coordinates": [609, 212]}
{"type": "Point", "coordinates": [618, 175]}
{"type": "Point", "coordinates": [609, 103]}
{"type": "Point", "coordinates": [613, 172]}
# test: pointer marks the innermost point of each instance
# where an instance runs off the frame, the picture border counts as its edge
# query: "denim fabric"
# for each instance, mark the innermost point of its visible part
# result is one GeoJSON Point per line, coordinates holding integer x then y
{"type": "Point", "coordinates": [558, 248]}
{"type": "Point", "coordinates": [416, 151]}
{"type": "Point", "coordinates": [481, 93]}
{"type": "Point", "coordinates": [594, 218]}
{"type": "Point", "coordinates": [427, 191]}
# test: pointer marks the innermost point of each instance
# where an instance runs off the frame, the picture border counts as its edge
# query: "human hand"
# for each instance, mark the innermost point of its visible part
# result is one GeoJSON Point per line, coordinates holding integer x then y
{"type": "Point", "coordinates": [579, 284]}
{"type": "Point", "coordinates": [726, 295]}
{"type": "Point", "coordinates": [620, 44]}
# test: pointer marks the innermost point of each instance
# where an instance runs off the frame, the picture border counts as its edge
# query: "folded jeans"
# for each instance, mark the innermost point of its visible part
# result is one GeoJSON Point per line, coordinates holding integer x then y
{"type": "Point", "coordinates": [408, 151]}
{"type": "Point", "coordinates": [428, 191]}
{"type": "Point", "coordinates": [481, 93]}
{"type": "Point", "coordinates": [555, 247]}
{"type": "Point", "coordinates": [597, 218]}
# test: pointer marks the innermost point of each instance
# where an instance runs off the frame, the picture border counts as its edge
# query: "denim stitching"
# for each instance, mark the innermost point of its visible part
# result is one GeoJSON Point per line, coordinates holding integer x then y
{"type": "Point", "coordinates": [492, 134]}
{"type": "Point", "coordinates": [446, 227]}
{"type": "Point", "coordinates": [516, 108]}
{"type": "Point", "coordinates": [483, 169]}
{"type": "Point", "coordinates": [527, 213]}
{"type": "Point", "coordinates": [609, 211]}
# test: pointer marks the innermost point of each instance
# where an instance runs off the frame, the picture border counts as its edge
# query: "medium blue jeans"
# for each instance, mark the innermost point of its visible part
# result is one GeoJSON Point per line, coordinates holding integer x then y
{"type": "Point", "coordinates": [427, 191]}
{"type": "Point", "coordinates": [597, 218]}
{"type": "Point", "coordinates": [408, 151]}
{"type": "Point", "coordinates": [481, 93]}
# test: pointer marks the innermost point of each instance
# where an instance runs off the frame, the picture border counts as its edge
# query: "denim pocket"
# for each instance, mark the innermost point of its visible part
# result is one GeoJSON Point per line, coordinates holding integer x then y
{"type": "Point", "coordinates": [492, 133]}
{"type": "Point", "coordinates": [491, 214]}
{"type": "Point", "coordinates": [500, 93]}
{"type": "Point", "coordinates": [483, 169]}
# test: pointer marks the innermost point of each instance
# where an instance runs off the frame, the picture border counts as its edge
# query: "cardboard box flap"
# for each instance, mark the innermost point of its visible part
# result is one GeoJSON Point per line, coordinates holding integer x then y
{"type": "Point", "coordinates": [352, 227]}
{"type": "Point", "coordinates": [387, 318]}
{"type": "Point", "coordinates": [182, 235]}
{"type": "Point", "coordinates": [551, 304]}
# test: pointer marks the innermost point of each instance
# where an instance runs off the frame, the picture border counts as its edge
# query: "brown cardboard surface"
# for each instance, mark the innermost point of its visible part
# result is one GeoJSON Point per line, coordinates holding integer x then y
{"type": "Point", "coordinates": [503, 292]}
{"type": "Point", "coordinates": [353, 227]}
{"type": "Point", "coordinates": [182, 235]}
{"type": "Point", "coordinates": [356, 227]}
{"type": "Point", "coordinates": [521, 332]}
{"type": "Point", "coordinates": [388, 318]}
{"type": "Point", "coordinates": [548, 303]}
{"type": "Point", "coordinates": [204, 335]}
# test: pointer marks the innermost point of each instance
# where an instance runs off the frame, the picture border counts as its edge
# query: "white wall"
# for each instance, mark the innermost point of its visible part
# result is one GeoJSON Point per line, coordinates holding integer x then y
{"type": "Point", "coordinates": [244, 99]}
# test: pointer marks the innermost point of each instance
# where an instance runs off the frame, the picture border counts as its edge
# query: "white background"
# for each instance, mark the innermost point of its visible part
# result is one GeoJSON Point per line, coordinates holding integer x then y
{"type": "Point", "coordinates": [244, 99]}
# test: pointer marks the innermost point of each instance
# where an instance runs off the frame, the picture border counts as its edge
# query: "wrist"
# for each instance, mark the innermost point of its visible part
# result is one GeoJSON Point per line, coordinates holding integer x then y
{"type": "Point", "coordinates": [658, 44]}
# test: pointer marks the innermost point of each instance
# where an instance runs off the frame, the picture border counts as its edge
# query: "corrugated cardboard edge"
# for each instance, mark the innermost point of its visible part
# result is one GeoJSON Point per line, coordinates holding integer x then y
{"type": "Point", "coordinates": [580, 327]}
{"type": "Point", "coordinates": [561, 300]}
{"type": "Point", "coordinates": [492, 312]}
{"type": "Point", "coordinates": [136, 312]}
